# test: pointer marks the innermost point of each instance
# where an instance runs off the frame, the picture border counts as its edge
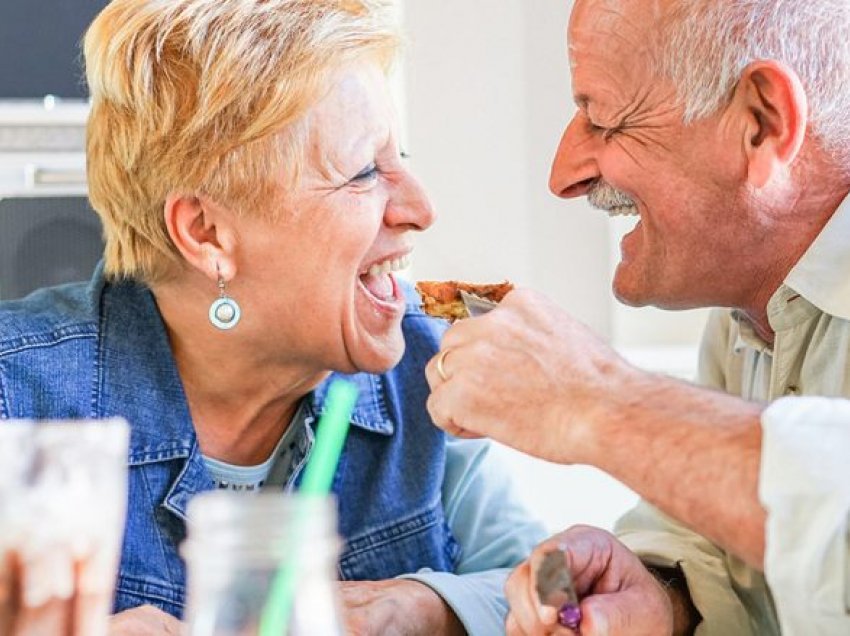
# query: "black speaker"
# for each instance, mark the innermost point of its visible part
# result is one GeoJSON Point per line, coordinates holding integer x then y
{"type": "Point", "coordinates": [46, 241]}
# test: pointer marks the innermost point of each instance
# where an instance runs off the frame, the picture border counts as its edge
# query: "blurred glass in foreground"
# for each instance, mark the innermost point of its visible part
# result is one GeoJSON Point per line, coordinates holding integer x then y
{"type": "Point", "coordinates": [235, 546]}
{"type": "Point", "coordinates": [63, 498]}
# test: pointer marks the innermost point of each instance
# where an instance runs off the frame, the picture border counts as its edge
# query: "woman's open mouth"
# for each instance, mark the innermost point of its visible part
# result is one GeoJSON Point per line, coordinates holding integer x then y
{"type": "Point", "coordinates": [380, 285]}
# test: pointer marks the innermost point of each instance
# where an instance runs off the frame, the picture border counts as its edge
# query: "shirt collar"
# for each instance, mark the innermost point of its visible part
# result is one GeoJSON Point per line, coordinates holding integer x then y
{"type": "Point", "coordinates": [822, 275]}
{"type": "Point", "coordinates": [370, 411]}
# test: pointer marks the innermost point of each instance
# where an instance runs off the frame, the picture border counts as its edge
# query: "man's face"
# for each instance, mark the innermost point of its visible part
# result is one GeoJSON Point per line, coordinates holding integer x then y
{"type": "Point", "coordinates": [629, 152]}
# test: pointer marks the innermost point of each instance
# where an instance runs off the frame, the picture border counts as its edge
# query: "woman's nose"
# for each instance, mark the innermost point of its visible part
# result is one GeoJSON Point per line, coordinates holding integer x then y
{"type": "Point", "coordinates": [574, 168]}
{"type": "Point", "coordinates": [409, 206]}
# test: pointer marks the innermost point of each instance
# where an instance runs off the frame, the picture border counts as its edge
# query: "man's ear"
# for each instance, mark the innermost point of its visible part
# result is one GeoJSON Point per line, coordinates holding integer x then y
{"type": "Point", "coordinates": [203, 233]}
{"type": "Point", "coordinates": [774, 103]}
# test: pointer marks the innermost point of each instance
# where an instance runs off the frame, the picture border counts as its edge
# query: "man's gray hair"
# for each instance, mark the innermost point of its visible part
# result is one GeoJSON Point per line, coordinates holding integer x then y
{"type": "Point", "coordinates": [708, 43]}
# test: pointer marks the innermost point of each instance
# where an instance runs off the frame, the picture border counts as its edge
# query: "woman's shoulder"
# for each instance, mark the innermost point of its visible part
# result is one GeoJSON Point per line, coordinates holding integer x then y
{"type": "Point", "coordinates": [47, 317]}
{"type": "Point", "coordinates": [48, 344]}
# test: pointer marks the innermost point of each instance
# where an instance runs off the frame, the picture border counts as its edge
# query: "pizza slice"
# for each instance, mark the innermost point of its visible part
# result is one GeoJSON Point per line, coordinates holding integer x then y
{"type": "Point", "coordinates": [441, 299]}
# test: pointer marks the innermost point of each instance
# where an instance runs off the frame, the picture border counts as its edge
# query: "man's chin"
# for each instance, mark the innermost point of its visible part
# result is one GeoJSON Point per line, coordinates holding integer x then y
{"type": "Point", "coordinates": [628, 293]}
{"type": "Point", "coordinates": [668, 300]}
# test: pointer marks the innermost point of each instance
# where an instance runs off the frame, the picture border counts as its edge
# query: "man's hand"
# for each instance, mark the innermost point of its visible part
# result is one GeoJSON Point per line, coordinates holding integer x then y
{"type": "Point", "coordinates": [396, 607]}
{"type": "Point", "coordinates": [527, 375]}
{"type": "Point", "coordinates": [619, 596]}
{"type": "Point", "coordinates": [530, 376]}
{"type": "Point", "coordinates": [144, 621]}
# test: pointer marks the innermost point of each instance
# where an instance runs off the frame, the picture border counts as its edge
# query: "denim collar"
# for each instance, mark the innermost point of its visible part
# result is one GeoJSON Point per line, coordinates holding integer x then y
{"type": "Point", "coordinates": [136, 378]}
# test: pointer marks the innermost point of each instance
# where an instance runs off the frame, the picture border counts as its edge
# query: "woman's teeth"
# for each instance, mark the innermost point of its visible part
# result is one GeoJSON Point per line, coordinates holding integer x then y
{"type": "Point", "coordinates": [377, 281]}
{"type": "Point", "coordinates": [390, 265]}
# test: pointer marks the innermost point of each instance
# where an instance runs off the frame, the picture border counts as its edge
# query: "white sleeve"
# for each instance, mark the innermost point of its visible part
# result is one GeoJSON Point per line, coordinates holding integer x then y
{"type": "Point", "coordinates": [805, 487]}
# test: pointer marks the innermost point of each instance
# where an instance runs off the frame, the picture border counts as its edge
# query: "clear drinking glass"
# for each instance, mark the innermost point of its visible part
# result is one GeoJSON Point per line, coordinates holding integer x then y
{"type": "Point", "coordinates": [235, 545]}
{"type": "Point", "coordinates": [63, 499]}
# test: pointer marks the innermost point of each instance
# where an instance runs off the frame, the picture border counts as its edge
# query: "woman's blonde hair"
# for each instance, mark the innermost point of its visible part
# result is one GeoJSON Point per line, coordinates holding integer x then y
{"type": "Point", "coordinates": [208, 96]}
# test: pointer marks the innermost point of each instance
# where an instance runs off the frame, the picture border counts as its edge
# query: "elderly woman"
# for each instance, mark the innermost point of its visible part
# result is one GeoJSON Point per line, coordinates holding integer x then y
{"type": "Point", "coordinates": [244, 159]}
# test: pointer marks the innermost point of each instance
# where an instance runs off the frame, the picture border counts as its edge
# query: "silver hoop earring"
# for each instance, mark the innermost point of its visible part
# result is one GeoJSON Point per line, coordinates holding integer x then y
{"type": "Point", "coordinates": [225, 312]}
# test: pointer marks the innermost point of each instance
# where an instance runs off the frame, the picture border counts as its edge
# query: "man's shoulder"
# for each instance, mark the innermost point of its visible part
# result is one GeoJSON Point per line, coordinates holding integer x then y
{"type": "Point", "coordinates": [47, 318]}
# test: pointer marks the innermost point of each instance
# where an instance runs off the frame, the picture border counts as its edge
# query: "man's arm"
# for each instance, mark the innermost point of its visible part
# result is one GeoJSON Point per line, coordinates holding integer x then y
{"type": "Point", "coordinates": [698, 461]}
{"type": "Point", "coordinates": [530, 376]}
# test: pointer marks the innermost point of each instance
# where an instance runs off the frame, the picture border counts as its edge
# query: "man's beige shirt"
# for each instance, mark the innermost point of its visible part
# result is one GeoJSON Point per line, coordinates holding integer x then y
{"type": "Point", "coordinates": [804, 482]}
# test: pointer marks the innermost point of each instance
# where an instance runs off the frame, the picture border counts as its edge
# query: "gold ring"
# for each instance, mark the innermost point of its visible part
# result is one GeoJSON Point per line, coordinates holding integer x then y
{"type": "Point", "coordinates": [440, 370]}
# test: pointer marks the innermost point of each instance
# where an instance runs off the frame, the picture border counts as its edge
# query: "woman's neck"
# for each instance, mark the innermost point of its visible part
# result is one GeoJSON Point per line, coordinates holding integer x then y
{"type": "Point", "coordinates": [240, 397]}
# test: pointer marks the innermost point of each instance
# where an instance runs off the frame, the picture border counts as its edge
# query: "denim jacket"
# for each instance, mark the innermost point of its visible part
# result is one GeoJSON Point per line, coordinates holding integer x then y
{"type": "Point", "coordinates": [101, 350]}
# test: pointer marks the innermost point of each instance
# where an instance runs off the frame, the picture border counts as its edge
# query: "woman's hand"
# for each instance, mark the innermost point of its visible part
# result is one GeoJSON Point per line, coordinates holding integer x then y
{"type": "Point", "coordinates": [145, 620]}
{"type": "Point", "coordinates": [396, 607]}
{"type": "Point", "coordinates": [50, 592]}
{"type": "Point", "coordinates": [619, 596]}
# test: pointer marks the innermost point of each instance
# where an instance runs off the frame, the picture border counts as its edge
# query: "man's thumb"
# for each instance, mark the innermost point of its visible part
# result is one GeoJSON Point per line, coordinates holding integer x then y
{"type": "Point", "coordinates": [621, 614]}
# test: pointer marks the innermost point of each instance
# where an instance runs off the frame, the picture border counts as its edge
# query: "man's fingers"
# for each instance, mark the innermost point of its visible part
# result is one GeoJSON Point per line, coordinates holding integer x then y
{"type": "Point", "coordinates": [531, 617]}
{"type": "Point", "coordinates": [629, 613]}
{"type": "Point", "coordinates": [432, 375]}
{"type": "Point", "coordinates": [443, 419]}
{"type": "Point", "coordinates": [516, 586]}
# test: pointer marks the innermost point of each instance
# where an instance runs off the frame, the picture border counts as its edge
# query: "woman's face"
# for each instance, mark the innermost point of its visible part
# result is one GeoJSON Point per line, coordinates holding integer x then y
{"type": "Point", "coordinates": [316, 286]}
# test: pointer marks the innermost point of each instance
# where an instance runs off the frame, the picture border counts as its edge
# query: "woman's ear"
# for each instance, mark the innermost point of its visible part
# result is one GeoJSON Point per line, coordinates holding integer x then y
{"type": "Point", "coordinates": [203, 233]}
{"type": "Point", "coordinates": [774, 103]}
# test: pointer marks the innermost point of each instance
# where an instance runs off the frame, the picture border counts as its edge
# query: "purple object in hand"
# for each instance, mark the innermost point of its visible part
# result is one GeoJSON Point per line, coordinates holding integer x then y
{"type": "Point", "coordinates": [569, 616]}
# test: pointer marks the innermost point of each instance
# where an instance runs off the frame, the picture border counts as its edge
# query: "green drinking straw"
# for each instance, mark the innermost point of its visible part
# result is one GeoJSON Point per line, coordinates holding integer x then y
{"type": "Point", "coordinates": [318, 477]}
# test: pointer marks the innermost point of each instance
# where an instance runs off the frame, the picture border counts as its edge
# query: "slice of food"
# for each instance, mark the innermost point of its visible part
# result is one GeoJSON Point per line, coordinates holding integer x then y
{"type": "Point", "coordinates": [441, 299]}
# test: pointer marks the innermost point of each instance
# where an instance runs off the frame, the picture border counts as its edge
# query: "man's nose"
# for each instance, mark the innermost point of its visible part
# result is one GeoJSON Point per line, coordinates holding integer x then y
{"type": "Point", "coordinates": [574, 169]}
{"type": "Point", "coordinates": [409, 206]}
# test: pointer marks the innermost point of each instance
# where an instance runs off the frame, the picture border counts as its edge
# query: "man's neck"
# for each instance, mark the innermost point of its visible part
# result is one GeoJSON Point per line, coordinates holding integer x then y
{"type": "Point", "coordinates": [761, 325]}
{"type": "Point", "coordinates": [810, 214]}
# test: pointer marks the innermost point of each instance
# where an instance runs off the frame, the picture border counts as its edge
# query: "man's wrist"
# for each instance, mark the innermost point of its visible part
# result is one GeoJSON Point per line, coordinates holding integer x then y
{"type": "Point", "coordinates": [607, 415]}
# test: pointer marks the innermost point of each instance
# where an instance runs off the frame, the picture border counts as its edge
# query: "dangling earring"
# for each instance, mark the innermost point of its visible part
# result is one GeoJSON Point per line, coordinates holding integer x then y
{"type": "Point", "coordinates": [224, 312]}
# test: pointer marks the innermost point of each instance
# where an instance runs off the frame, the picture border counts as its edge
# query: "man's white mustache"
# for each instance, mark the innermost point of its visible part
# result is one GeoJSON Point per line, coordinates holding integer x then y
{"type": "Point", "coordinates": [606, 197]}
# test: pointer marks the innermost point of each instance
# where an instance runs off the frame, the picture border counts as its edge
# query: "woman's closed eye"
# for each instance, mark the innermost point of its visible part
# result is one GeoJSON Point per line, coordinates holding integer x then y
{"type": "Point", "coordinates": [367, 175]}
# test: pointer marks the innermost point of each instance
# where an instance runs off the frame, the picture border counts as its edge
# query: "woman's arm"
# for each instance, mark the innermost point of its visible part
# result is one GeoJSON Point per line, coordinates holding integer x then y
{"type": "Point", "coordinates": [495, 532]}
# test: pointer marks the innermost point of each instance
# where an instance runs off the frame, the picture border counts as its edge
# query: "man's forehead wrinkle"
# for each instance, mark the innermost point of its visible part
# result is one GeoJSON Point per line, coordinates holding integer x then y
{"type": "Point", "coordinates": [619, 42]}
{"type": "Point", "coordinates": [604, 93]}
{"type": "Point", "coordinates": [656, 109]}
{"type": "Point", "coordinates": [635, 105]}
{"type": "Point", "coordinates": [646, 135]}
{"type": "Point", "coordinates": [647, 101]}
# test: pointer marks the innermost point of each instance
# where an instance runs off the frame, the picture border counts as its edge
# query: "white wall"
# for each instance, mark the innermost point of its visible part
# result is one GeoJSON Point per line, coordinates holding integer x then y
{"type": "Point", "coordinates": [487, 97]}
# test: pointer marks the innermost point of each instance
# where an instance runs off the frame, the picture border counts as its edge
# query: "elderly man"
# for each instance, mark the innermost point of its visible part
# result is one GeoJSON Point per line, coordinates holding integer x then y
{"type": "Point", "coordinates": [724, 125]}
